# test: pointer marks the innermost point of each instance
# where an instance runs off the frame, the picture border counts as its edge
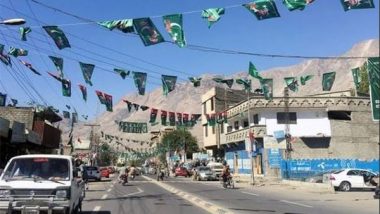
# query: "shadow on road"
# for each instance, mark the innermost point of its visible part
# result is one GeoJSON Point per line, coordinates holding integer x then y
{"type": "Point", "coordinates": [252, 210]}
{"type": "Point", "coordinates": [96, 212]}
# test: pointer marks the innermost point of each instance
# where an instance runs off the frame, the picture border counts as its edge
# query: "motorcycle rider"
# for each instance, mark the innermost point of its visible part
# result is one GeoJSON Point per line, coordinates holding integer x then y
{"type": "Point", "coordinates": [226, 173]}
{"type": "Point", "coordinates": [132, 171]}
{"type": "Point", "coordinates": [124, 177]}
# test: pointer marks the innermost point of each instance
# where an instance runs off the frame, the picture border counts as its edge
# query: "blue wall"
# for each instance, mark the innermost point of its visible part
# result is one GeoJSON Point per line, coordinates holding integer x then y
{"type": "Point", "coordinates": [244, 161]}
{"type": "Point", "coordinates": [301, 168]}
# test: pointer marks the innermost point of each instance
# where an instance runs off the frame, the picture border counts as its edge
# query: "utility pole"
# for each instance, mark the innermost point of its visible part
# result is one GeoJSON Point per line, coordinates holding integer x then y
{"type": "Point", "coordinates": [287, 126]}
{"type": "Point", "coordinates": [251, 143]}
{"type": "Point", "coordinates": [94, 146]}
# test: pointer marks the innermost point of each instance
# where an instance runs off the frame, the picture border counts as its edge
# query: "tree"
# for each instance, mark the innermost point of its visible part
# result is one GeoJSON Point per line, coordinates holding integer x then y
{"type": "Point", "coordinates": [363, 89]}
{"type": "Point", "coordinates": [107, 155]}
{"type": "Point", "coordinates": [175, 141]}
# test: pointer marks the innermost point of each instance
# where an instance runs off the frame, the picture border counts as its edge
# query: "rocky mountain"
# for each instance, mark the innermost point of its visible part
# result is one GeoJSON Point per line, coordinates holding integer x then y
{"type": "Point", "coordinates": [187, 99]}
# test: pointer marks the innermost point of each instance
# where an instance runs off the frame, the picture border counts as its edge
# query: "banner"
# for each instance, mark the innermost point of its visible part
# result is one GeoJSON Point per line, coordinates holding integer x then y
{"type": "Point", "coordinates": [168, 83]}
{"type": "Point", "coordinates": [147, 31]}
{"type": "Point", "coordinates": [173, 25]}
{"type": "Point", "coordinates": [132, 127]}
{"type": "Point", "coordinates": [374, 81]}
{"type": "Point", "coordinates": [58, 36]}
{"type": "Point", "coordinates": [140, 81]}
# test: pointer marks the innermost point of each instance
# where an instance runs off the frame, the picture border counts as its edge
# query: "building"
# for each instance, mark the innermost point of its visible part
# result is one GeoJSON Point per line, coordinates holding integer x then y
{"type": "Point", "coordinates": [298, 136]}
{"type": "Point", "coordinates": [26, 130]}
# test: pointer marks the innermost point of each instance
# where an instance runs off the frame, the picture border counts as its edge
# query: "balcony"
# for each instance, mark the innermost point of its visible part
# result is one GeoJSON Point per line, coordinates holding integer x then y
{"type": "Point", "coordinates": [240, 135]}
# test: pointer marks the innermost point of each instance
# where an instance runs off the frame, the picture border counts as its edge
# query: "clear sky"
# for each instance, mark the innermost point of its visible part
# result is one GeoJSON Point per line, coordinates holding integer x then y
{"type": "Point", "coordinates": [323, 28]}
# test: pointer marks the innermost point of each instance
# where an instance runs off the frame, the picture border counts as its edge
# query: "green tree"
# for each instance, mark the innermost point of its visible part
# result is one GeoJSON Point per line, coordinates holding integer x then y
{"type": "Point", "coordinates": [363, 89]}
{"type": "Point", "coordinates": [107, 155]}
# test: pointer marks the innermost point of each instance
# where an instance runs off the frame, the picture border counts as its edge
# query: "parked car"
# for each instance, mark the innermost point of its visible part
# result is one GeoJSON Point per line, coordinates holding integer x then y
{"type": "Point", "coordinates": [347, 179]}
{"type": "Point", "coordinates": [93, 172]}
{"type": "Point", "coordinates": [105, 172]}
{"type": "Point", "coordinates": [322, 177]}
{"type": "Point", "coordinates": [181, 171]}
{"type": "Point", "coordinates": [204, 173]}
{"type": "Point", "coordinates": [217, 168]}
{"type": "Point", "coordinates": [189, 168]}
{"type": "Point", "coordinates": [111, 169]}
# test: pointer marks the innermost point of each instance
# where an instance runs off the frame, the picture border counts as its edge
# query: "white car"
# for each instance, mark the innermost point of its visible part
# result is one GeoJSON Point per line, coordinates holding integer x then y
{"type": "Point", "coordinates": [347, 179]}
{"type": "Point", "coordinates": [93, 172]}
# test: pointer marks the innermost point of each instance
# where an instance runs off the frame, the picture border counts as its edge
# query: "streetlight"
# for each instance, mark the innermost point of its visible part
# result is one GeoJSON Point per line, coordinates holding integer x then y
{"type": "Point", "coordinates": [16, 21]}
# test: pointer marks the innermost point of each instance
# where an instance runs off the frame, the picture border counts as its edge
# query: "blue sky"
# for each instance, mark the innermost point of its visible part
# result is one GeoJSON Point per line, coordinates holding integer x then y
{"type": "Point", "coordinates": [323, 28]}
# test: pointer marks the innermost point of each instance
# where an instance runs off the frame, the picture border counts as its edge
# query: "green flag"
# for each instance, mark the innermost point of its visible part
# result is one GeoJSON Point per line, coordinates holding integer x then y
{"type": "Point", "coordinates": [296, 4]}
{"type": "Point", "coordinates": [168, 83]}
{"type": "Point", "coordinates": [253, 71]}
{"type": "Point", "coordinates": [58, 63]}
{"type": "Point", "coordinates": [164, 115]}
{"type": "Point", "coordinates": [87, 70]}
{"type": "Point", "coordinates": [144, 108]}
{"type": "Point", "coordinates": [211, 119]}
{"type": "Point", "coordinates": [171, 119]}
{"type": "Point", "coordinates": [212, 15]}
{"type": "Point", "coordinates": [357, 77]}
{"type": "Point", "coordinates": [267, 88]}
{"type": "Point", "coordinates": [304, 79]}
{"type": "Point", "coordinates": [153, 115]}
{"type": "Point", "coordinates": [196, 81]}
{"type": "Point", "coordinates": [124, 25]}
{"type": "Point", "coordinates": [173, 25]}
{"type": "Point", "coordinates": [83, 89]}
{"type": "Point", "coordinates": [122, 72]}
{"type": "Point", "coordinates": [17, 52]}
{"type": "Point", "coordinates": [357, 4]}
{"type": "Point", "coordinates": [147, 31]}
{"type": "Point", "coordinates": [108, 102]}
{"type": "Point", "coordinates": [137, 106]}
{"type": "Point", "coordinates": [374, 81]}
{"type": "Point", "coordinates": [140, 81]}
{"type": "Point", "coordinates": [291, 83]}
{"type": "Point", "coordinates": [66, 87]}
{"type": "Point", "coordinates": [228, 82]}
{"type": "Point", "coordinates": [24, 31]}
{"type": "Point", "coordinates": [4, 57]}
{"type": "Point", "coordinates": [58, 36]}
{"type": "Point", "coordinates": [66, 114]}
{"type": "Point", "coordinates": [101, 96]}
{"type": "Point", "coordinates": [246, 83]}
{"type": "Point", "coordinates": [129, 105]}
{"type": "Point", "coordinates": [263, 9]}
{"type": "Point", "coordinates": [328, 81]}
{"type": "Point", "coordinates": [179, 119]}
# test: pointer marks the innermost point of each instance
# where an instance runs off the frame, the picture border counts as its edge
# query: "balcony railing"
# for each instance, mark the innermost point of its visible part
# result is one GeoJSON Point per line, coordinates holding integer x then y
{"type": "Point", "coordinates": [242, 134]}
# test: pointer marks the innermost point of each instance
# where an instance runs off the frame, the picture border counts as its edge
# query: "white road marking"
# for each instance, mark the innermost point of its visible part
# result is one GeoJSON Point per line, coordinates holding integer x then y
{"type": "Point", "coordinates": [250, 193]}
{"type": "Point", "coordinates": [298, 204]}
{"type": "Point", "coordinates": [97, 208]}
{"type": "Point", "coordinates": [135, 193]}
{"type": "Point", "coordinates": [104, 196]}
{"type": "Point", "coordinates": [109, 190]}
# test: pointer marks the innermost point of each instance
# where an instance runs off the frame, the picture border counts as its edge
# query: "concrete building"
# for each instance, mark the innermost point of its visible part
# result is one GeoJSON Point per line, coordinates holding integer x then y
{"type": "Point", "coordinates": [334, 130]}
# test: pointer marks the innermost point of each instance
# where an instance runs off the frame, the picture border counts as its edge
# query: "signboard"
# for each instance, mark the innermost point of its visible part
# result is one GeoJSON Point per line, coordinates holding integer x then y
{"type": "Point", "coordinates": [374, 88]}
{"type": "Point", "coordinates": [274, 157]}
{"type": "Point", "coordinates": [272, 143]}
{"type": "Point", "coordinates": [4, 127]}
{"type": "Point", "coordinates": [279, 135]}
{"type": "Point", "coordinates": [131, 127]}
{"type": "Point", "coordinates": [18, 132]}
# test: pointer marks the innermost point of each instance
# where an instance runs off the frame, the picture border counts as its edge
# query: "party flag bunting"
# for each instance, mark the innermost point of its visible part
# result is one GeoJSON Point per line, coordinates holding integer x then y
{"type": "Point", "coordinates": [87, 70]}
{"type": "Point", "coordinates": [179, 119]}
{"type": "Point", "coordinates": [68, 107]}
{"type": "Point", "coordinates": [55, 76]}
{"type": "Point", "coordinates": [66, 114]}
{"type": "Point", "coordinates": [212, 15]}
{"type": "Point", "coordinates": [144, 108]}
{"type": "Point", "coordinates": [101, 97]}
{"type": "Point", "coordinates": [168, 83]}
{"type": "Point", "coordinates": [304, 79]}
{"type": "Point", "coordinates": [28, 65]}
{"type": "Point", "coordinates": [108, 102]}
{"type": "Point", "coordinates": [211, 119]}
{"type": "Point", "coordinates": [66, 87]}
{"type": "Point", "coordinates": [124, 25]}
{"type": "Point", "coordinates": [164, 115]}
{"type": "Point", "coordinates": [296, 4]}
{"type": "Point", "coordinates": [263, 9]}
{"type": "Point", "coordinates": [137, 106]}
{"type": "Point", "coordinates": [173, 25]}
{"type": "Point", "coordinates": [83, 89]}
{"type": "Point", "coordinates": [357, 4]}
{"type": "Point", "coordinates": [58, 36]}
{"type": "Point", "coordinates": [58, 63]}
{"type": "Point", "coordinates": [246, 83]}
{"type": "Point", "coordinates": [253, 71]}
{"type": "Point", "coordinates": [328, 81]}
{"type": "Point", "coordinates": [16, 52]}
{"type": "Point", "coordinates": [196, 81]}
{"type": "Point", "coordinates": [153, 115]}
{"type": "Point", "coordinates": [171, 118]}
{"type": "Point", "coordinates": [291, 83]}
{"type": "Point", "coordinates": [267, 88]}
{"type": "Point", "coordinates": [122, 72]}
{"type": "Point", "coordinates": [140, 81]}
{"type": "Point", "coordinates": [24, 31]}
{"type": "Point", "coordinates": [373, 69]}
{"type": "Point", "coordinates": [5, 58]}
{"type": "Point", "coordinates": [129, 104]}
{"type": "Point", "coordinates": [228, 82]}
{"type": "Point", "coordinates": [185, 119]}
{"type": "Point", "coordinates": [147, 31]}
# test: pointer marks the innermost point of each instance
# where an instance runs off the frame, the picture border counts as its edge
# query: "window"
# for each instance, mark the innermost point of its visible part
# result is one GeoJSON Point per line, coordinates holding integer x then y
{"type": "Point", "coordinates": [212, 103]}
{"type": "Point", "coordinates": [245, 123]}
{"type": "Point", "coordinates": [204, 108]}
{"type": "Point", "coordinates": [205, 130]}
{"type": "Point", "coordinates": [339, 115]}
{"type": "Point", "coordinates": [213, 129]}
{"type": "Point", "coordinates": [282, 118]}
{"type": "Point", "coordinates": [353, 172]}
{"type": "Point", "coordinates": [222, 128]}
{"type": "Point", "coordinates": [255, 119]}
{"type": "Point", "coordinates": [236, 125]}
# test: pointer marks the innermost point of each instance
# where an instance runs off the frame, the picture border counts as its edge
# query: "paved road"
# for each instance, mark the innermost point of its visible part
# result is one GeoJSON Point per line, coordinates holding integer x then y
{"type": "Point", "coordinates": [139, 196]}
{"type": "Point", "coordinates": [258, 201]}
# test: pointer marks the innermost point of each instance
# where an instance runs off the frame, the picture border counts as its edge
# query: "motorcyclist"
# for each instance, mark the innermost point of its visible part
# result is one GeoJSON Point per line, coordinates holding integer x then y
{"type": "Point", "coordinates": [132, 171]}
{"type": "Point", "coordinates": [124, 176]}
{"type": "Point", "coordinates": [226, 173]}
{"type": "Point", "coordinates": [160, 172]}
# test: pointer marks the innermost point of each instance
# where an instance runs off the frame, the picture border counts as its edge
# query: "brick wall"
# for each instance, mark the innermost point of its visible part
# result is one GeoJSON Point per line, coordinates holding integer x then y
{"type": "Point", "coordinates": [22, 115]}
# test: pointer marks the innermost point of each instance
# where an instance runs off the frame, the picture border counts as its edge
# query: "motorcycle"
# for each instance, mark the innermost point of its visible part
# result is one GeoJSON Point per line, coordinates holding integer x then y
{"type": "Point", "coordinates": [160, 175]}
{"type": "Point", "coordinates": [123, 179]}
{"type": "Point", "coordinates": [228, 182]}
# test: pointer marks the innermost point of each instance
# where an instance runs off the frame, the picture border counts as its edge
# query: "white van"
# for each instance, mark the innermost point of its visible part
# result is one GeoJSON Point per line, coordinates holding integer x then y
{"type": "Point", "coordinates": [217, 168]}
{"type": "Point", "coordinates": [35, 183]}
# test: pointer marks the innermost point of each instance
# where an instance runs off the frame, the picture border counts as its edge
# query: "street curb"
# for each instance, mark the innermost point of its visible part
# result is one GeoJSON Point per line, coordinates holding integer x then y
{"type": "Point", "coordinates": [313, 187]}
{"type": "Point", "coordinates": [209, 207]}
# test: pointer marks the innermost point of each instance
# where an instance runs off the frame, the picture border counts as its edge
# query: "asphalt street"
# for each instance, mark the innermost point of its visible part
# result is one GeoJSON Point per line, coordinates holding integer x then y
{"type": "Point", "coordinates": [138, 196]}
